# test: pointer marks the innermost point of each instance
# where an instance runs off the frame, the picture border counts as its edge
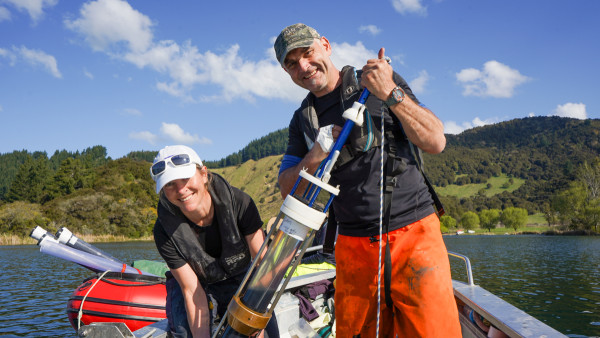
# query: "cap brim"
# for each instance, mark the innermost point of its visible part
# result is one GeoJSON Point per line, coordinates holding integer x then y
{"type": "Point", "coordinates": [174, 173]}
{"type": "Point", "coordinates": [304, 43]}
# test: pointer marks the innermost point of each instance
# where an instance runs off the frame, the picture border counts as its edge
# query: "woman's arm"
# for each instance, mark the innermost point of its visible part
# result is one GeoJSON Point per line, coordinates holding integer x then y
{"type": "Point", "coordinates": [196, 304]}
{"type": "Point", "coordinates": [255, 240]}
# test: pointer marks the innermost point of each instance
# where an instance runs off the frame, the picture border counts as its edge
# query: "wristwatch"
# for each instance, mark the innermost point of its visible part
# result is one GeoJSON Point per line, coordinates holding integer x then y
{"type": "Point", "coordinates": [396, 96]}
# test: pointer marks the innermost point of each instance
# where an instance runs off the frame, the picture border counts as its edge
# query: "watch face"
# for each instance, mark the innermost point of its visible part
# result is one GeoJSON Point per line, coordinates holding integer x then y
{"type": "Point", "coordinates": [398, 94]}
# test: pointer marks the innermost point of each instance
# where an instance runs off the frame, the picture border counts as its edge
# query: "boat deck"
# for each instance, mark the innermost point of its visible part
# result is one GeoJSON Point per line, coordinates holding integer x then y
{"type": "Point", "coordinates": [502, 315]}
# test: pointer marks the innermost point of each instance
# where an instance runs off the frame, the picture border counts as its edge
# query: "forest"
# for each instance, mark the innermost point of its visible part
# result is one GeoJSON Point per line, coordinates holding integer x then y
{"type": "Point", "coordinates": [547, 165]}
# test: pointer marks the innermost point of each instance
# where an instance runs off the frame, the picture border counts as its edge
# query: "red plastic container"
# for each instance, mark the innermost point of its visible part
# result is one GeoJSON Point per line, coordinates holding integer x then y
{"type": "Point", "coordinates": [136, 300]}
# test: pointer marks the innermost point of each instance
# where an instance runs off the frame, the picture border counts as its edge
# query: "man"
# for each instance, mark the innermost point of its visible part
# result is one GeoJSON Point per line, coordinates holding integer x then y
{"type": "Point", "coordinates": [420, 298]}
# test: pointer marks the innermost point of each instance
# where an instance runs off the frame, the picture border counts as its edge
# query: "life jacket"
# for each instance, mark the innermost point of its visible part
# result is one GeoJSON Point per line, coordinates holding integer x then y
{"type": "Point", "coordinates": [361, 138]}
{"type": "Point", "coordinates": [235, 255]}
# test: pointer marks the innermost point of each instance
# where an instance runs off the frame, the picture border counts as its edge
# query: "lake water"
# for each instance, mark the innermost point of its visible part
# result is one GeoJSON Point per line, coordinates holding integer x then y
{"type": "Point", "coordinates": [555, 279]}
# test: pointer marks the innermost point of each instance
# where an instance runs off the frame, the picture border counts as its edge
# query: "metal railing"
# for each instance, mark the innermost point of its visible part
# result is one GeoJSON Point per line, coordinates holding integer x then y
{"type": "Point", "coordinates": [467, 264]}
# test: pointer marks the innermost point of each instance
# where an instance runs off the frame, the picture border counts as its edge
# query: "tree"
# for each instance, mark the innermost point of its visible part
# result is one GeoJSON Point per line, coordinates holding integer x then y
{"type": "Point", "coordinates": [69, 177]}
{"type": "Point", "coordinates": [589, 175]}
{"type": "Point", "coordinates": [447, 222]}
{"type": "Point", "coordinates": [590, 217]}
{"type": "Point", "coordinates": [489, 218]}
{"type": "Point", "coordinates": [514, 217]}
{"type": "Point", "coordinates": [20, 218]}
{"type": "Point", "coordinates": [565, 204]}
{"type": "Point", "coordinates": [469, 220]}
{"type": "Point", "coordinates": [31, 181]}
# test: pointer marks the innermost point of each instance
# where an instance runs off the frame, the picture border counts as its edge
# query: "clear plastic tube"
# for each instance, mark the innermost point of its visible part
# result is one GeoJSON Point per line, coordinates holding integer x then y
{"type": "Point", "coordinates": [51, 246]}
{"type": "Point", "coordinates": [66, 237]}
{"type": "Point", "coordinates": [271, 271]}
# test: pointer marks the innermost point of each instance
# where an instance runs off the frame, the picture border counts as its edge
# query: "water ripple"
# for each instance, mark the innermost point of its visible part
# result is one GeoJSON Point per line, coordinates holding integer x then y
{"type": "Point", "coordinates": [555, 279]}
{"type": "Point", "coordinates": [35, 294]}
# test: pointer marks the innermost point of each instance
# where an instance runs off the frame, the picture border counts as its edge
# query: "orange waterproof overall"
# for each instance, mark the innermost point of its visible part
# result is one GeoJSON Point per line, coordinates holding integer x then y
{"type": "Point", "coordinates": [421, 286]}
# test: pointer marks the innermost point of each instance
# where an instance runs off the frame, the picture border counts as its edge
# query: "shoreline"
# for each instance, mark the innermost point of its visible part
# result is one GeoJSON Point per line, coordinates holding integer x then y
{"type": "Point", "coordinates": [543, 233]}
{"type": "Point", "coordinates": [11, 240]}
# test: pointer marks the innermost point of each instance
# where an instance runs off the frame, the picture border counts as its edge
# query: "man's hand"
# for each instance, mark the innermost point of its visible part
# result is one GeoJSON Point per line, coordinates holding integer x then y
{"type": "Point", "coordinates": [327, 136]}
{"type": "Point", "coordinates": [377, 76]}
{"type": "Point", "coordinates": [421, 126]}
{"type": "Point", "coordinates": [311, 162]}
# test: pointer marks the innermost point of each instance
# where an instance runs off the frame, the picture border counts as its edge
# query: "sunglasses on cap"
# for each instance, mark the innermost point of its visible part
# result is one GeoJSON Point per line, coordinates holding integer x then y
{"type": "Point", "coordinates": [177, 160]}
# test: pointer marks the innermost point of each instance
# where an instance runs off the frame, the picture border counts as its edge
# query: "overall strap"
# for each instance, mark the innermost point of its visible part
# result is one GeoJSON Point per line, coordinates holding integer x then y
{"type": "Point", "coordinates": [394, 167]}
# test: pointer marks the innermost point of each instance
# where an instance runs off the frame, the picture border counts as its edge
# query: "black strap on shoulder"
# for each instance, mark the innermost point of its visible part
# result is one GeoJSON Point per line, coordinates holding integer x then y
{"type": "Point", "coordinates": [330, 232]}
{"type": "Point", "coordinates": [439, 207]}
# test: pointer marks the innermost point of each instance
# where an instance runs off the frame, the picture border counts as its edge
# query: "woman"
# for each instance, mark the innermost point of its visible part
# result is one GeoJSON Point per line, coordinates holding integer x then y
{"type": "Point", "coordinates": [207, 232]}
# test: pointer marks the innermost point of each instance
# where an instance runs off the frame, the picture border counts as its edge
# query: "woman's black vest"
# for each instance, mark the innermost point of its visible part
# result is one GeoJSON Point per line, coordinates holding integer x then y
{"type": "Point", "coordinates": [235, 255]}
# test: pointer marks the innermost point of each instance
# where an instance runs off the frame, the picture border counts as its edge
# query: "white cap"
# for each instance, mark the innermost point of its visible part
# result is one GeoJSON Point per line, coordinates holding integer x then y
{"type": "Point", "coordinates": [175, 172]}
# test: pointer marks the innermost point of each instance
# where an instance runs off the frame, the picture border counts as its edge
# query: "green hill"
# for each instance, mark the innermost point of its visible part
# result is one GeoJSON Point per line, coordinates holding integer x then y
{"type": "Point", "coordinates": [522, 163]}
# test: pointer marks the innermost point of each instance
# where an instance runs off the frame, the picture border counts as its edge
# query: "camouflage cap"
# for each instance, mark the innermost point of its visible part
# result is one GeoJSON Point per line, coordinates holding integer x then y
{"type": "Point", "coordinates": [292, 37]}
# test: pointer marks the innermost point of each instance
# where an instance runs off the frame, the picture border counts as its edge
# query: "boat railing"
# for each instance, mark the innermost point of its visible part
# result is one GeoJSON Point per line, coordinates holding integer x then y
{"type": "Point", "coordinates": [467, 265]}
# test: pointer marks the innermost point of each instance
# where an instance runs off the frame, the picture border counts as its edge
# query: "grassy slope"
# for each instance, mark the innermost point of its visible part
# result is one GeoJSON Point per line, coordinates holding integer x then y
{"type": "Point", "coordinates": [259, 180]}
{"type": "Point", "coordinates": [468, 190]}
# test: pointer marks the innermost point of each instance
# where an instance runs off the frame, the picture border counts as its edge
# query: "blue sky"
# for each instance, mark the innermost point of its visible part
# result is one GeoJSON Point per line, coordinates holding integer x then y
{"type": "Point", "coordinates": [143, 74]}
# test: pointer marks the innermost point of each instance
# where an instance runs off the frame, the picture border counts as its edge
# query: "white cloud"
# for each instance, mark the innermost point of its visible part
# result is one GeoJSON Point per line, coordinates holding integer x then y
{"type": "Point", "coordinates": [4, 14]}
{"type": "Point", "coordinates": [418, 84]}
{"type": "Point", "coordinates": [355, 55]}
{"type": "Point", "coordinates": [12, 58]}
{"type": "Point", "coordinates": [371, 29]}
{"type": "Point", "coordinates": [35, 8]}
{"type": "Point", "coordinates": [88, 74]}
{"type": "Point", "coordinates": [494, 80]}
{"type": "Point", "coordinates": [409, 7]}
{"type": "Point", "coordinates": [108, 24]}
{"type": "Point", "coordinates": [574, 110]}
{"type": "Point", "coordinates": [113, 27]}
{"type": "Point", "coordinates": [38, 57]}
{"type": "Point", "coordinates": [176, 133]}
{"type": "Point", "coordinates": [132, 111]}
{"type": "Point", "coordinates": [144, 136]}
{"type": "Point", "coordinates": [451, 127]}
{"type": "Point", "coordinates": [173, 89]}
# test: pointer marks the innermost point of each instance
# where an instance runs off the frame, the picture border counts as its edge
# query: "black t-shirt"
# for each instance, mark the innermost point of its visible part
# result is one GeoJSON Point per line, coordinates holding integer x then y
{"type": "Point", "coordinates": [248, 221]}
{"type": "Point", "coordinates": [357, 206]}
{"type": "Point", "coordinates": [211, 231]}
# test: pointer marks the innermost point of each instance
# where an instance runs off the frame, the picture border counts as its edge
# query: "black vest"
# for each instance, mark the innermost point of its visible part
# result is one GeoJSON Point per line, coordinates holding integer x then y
{"type": "Point", "coordinates": [368, 135]}
{"type": "Point", "coordinates": [235, 255]}
{"type": "Point", "coordinates": [361, 138]}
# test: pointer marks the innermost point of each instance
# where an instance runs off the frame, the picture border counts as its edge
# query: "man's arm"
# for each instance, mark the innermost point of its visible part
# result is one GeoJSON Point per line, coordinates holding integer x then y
{"type": "Point", "coordinates": [311, 162]}
{"type": "Point", "coordinates": [194, 297]}
{"type": "Point", "coordinates": [421, 126]}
